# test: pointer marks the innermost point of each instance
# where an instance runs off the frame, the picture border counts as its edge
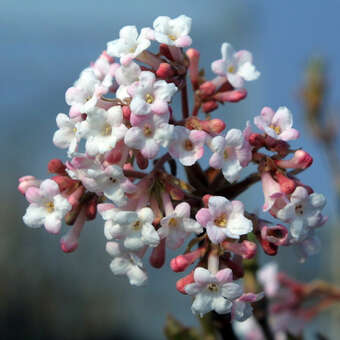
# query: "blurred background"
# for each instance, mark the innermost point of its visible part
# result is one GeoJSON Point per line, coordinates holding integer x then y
{"type": "Point", "coordinates": [45, 294]}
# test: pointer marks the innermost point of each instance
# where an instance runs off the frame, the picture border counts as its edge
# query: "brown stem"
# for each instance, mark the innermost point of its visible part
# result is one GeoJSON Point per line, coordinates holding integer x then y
{"type": "Point", "coordinates": [185, 104]}
{"type": "Point", "coordinates": [134, 174]}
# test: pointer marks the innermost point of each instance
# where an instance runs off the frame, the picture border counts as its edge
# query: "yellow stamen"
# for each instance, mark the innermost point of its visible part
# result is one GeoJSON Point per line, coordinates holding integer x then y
{"type": "Point", "coordinates": [173, 222]}
{"type": "Point", "coordinates": [74, 130]}
{"type": "Point", "coordinates": [172, 37]}
{"type": "Point", "coordinates": [147, 130]}
{"type": "Point", "coordinates": [49, 206]}
{"type": "Point", "coordinates": [149, 98]}
{"type": "Point", "coordinates": [137, 225]}
{"type": "Point", "coordinates": [107, 130]}
{"type": "Point", "coordinates": [225, 154]}
{"type": "Point", "coordinates": [276, 128]}
{"type": "Point", "coordinates": [213, 287]}
{"type": "Point", "coordinates": [231, 69]}
{"type": "Point", "coordinates": [188, 145]}
{"type": "Point", "coordinates": [221, 221]}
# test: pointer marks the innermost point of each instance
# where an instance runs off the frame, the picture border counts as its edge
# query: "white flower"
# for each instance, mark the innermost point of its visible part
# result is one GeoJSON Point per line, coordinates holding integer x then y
{"type": "Point", "coordinates": [236, 66]}
{"type": "Point", "coordinates": [230, 153]}
{"type": "Point", "coordinates": [213, 292]}
{"type": "Point", "coordinates": [224, 219]}
{"type": "Point", "coordinates": [85, 92]}
{"type": "Point", "coordinates": [177, 226]}
{"type": "Point", "coordinates": [149, 134]}
{"type": "Point", "coordinates": [277, 124]}
{"type": "Point", "coordinates": [48, 207]}
{"type": "Point", "coordinates": [68, 135]}
{"type": "Point", "coordinates": [173, 32]}
{"type": "Point", "coordinates": [102, 129]}
{"type": "Point", "coordinates": [187, 145]}
{"type": "Point", "coordinates": [129, 45]}
{"type": "Point", "coordinates": [150, 95]}
{"type": "Point", "coordinates": [268, 277]}
{"type": "Point", "coordinates": [125, 263]}
{"type": "Point", "coordinates": [303, 212]}
{"type": "Point", "coordinates": [133, 227]}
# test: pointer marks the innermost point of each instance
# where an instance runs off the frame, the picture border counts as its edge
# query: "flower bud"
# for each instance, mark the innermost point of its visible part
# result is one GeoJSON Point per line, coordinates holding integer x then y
{"type": "Point", "coordinates": [65, 183]}
{"type": "Point", "coordinates": [287, 185]}
{"type": "Point", "coordinates": [181, 262]}
{"type": "Point", "coordinates": [301, 160]}
{"type": "Point", "coordinates": [194, 57]}
{"type": "Point", "coordinates": [142, 162]}
{"type": "Point", "coordinates": [165, 71]}
{"type": "Point", "coordinates": [246, 249]}
{"type": "Point", "coordinates": [164, 50]}
{"type": "Point", "coordinates": [56, 166]}
{"type": "Point", "coordinates": [91, 208]}
{"type": "Point", "coordinates": [27, 182]}
{"type": "Point", "coordinates": [256, 140]}
{"type": "Point", "coordinates": [207, 89]}
{"type": "Point", "coordinates": [181, 283]}
{"type": "Point", "coordinates": [209, 106]}
{"type": "Point", "coordinates": [231, 96]}
{"type": "Point", "coordinates": [157, 257]}
{"type": "Point", "coordinates": [126, 112]}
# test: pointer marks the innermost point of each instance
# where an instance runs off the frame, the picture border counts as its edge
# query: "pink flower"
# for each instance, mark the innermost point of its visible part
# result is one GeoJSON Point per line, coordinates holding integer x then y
{"type": "Point", "coordinates": [224, 219]}
{"type": "Point", "coordinates": [213, 292]}
{"type": "Point", "coordinates": [47, 207]}
{"type": "Point", "coordinates": [277, 125]}
{"type": "Point", "coordinates": [187, 145]}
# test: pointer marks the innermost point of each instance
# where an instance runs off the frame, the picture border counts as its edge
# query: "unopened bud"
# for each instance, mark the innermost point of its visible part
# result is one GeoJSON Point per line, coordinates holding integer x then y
{"type": "Point", "coordinates": [231, 96]}
{"type": "Point", "coordinates": [246, 249]}
{"type": "Point", "coordinates": [207, 89]}
{"type": "Point", "coordinates": [165, 71]}
{"type": "Point", "coordinates": [157, 257]}
{"type": "Point", "coordinates": [194, 57]}
{"type": "Point", "coordinates": [91, 208]}
{"type": "Point", "coordinates": [182, 262]}
{"type": "Point", "coordinates": [142, 162]}
{"type": "Point", "coordinates": [164, 50]}
{"type": "Point", "coordinates": [64, 182]}
{"type": "Point", "coordinates": [287, 185]}
{"type": "Point", "coordinates": [301, 160]}
{"type": "Point", "coordinates": [56, 166]}
{"type": "Point", "coordinates": [126, 112]}
{"type": "Point", "coordinates": [209, 106]}
{"type": "Point", "coordinates": [183, 282]}
{"type": "Point", "coordinates": [27, 182]}
{"type": "Point", "coordinates": [256, 140]}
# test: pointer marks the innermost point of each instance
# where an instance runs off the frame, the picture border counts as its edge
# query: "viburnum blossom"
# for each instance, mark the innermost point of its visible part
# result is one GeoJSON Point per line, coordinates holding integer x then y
{"type": "Point", "coordinates": [236, 66]}
{"type": "Point", "coordinates": [277, 124]}
{"type": "Point", "coordinates": [224, 219]}
{"type": "Point", "coordinates": [303, 212]}
{"type": "Point", "coordinates": [231, 154]}
{"type": "Point", "coordinates": [173, 31]}
{"type": "Point", "coordinates": [47, 207]}
{"type": "Point", "coordinates": [129, 45]}
{"type": "Point", "coordinates": [125, 141]}
{"type": "Point", "coordinates": [151, 96]}
{"type": "Point", "coordinates": [213, 292]}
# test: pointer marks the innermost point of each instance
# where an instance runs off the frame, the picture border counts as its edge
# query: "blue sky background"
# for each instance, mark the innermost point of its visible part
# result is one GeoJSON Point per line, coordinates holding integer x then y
{"type": "Point", "coordinates": [45, 45]}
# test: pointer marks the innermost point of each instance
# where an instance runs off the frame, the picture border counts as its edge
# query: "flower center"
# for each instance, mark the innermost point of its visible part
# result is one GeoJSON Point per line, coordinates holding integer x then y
{"type": "Point", "coordinates": [276, 128]}
{"type": "Point", "coordinates": [171, 37]}
{"type": "Point", "coordinates": [213, 287]}
{"type": "Point", "coordinates": [74, 129]}
{"type": "Point", "coordinates": [49, 206]}
{"type": "Point", "coordinates": [107, 130]}
{"type": "Point", "coordinates": [147, 130]}
{"type": "Point", "coordinates": [231, 69]}
{"type": "Point", "coordinates": [299, 209]}
{"type": "Point", "coordinates": [221, 221]}
{"type": "Point", "coordinates": [173, 222]}
{"type": "Point", "coordinates": [226, 154]}
{"type": "Point", "coordinates": [188, 145]}
{"type": "Point", "coordinates": [149, 98]}
{"type": "Point", "coordinates": [137, 225]}
{"type": "Point", "coordinates": [113, 180]}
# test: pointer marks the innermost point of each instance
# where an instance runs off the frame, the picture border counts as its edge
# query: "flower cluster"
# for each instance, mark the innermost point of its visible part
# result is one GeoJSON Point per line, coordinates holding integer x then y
{"type": "Point", "coordinates": [121, 131]}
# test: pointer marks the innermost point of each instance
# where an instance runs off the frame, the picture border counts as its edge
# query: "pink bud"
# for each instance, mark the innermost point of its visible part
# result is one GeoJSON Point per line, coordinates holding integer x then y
{"type": "Point", "coordinates": [27, 182]}
{"type": "Point", "coordinates": [205, 199]}
{"type": "Point", "coordinates": [246, 249]}
{"type": "Point", "coordinates": [181, 283]}
{"type": "Point", "coordinates": [182, 262]}
{"type": "Point", "coordinates": [231, 96]}
{"type": "Point", "coordinates": [216, 125]}
{"type": "Point", "coordinates": [207, 89]}
{"type": "Point", "coordinates": [64, 182]}
{"type": "Point", "coordinates": [74, 198]}
{"type": "Point", "coordinates": [301, 160]}
{"type": "Point", "coordinates": [271, 190]}
{"type": "Point", "coordinates": [287, 185]}
{"type": "Point", "coordinates": [56, 166]}
{"type": "Point", "coordinates": [194, 57]}
{"type": "Point", "coordinates": [165, 71]}
{"type": "Point", "coordinates": [256, 140]}
{"type": "Point", "coordinates": [209, 106]}
{"type": "Point", "coordinates": [126, 112]}
{"type": "Point", "coordinates": [91, 208]}
{"type": "Point", "coordinates": [142, 162]}
{"type": "Point", "coordinates": [157, 257]}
